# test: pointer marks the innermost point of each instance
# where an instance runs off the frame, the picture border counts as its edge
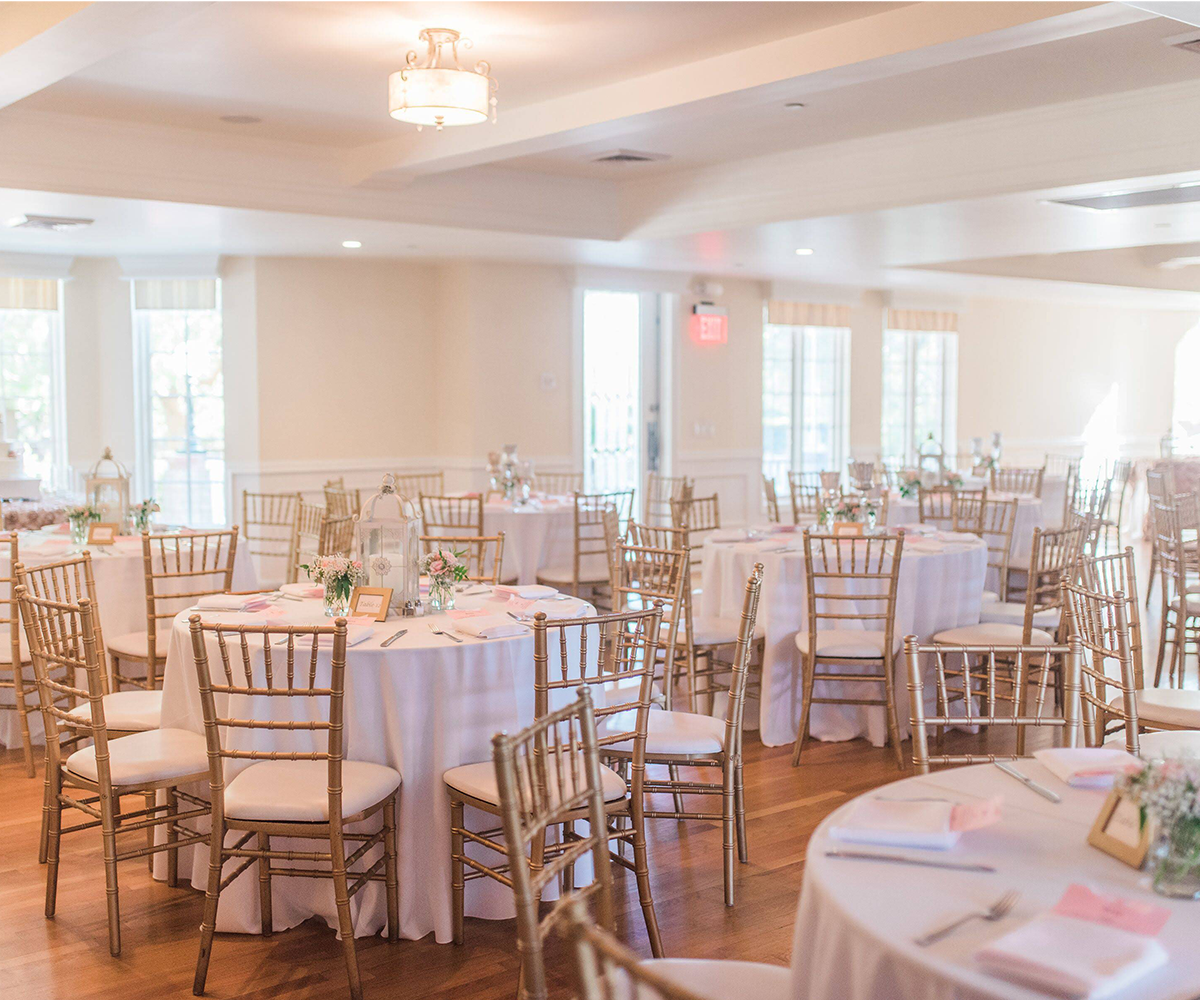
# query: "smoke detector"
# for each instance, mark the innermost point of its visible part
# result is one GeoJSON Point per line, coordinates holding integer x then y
{"type": "Point", "coordinates": [54, 223]}
{"type": "Point", "coordinates": [628, 156]}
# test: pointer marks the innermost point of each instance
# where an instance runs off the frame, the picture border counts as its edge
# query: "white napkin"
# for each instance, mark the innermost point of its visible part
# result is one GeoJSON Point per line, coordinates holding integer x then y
{"type": "Point", "coordinates": [354, 635]}
{"type": "Point", "coordinates": [528, 591]}
{"type": "Point", "coordinates": [1086, 767]}
{"type": "Point", "coordinates": [302, 589]}
{"type": "Point", "coordinates": [231, 602]}
{"type": "Point", "coordinates": [490, 627]}
{"type": "Point", "coordinates": [559, 610]}
{"type": "Point", "coordinates": [1071, 958]}
{"type": "Point", "coordinates": [898, 824]}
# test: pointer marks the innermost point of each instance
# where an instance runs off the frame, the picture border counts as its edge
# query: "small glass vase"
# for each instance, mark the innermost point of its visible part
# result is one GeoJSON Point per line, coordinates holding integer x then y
{"type": "Point", "coordinates": [1177, 861]}
{"type": "Point", "coordinates": [441, 594]}
{"type": "Point", "coordinates": [337, 600]}
{"type": "Point", "coordinates": [79, 530]}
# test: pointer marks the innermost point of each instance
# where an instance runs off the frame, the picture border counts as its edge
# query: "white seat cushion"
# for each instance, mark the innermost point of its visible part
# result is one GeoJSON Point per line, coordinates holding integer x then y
{"type": "Point", "coordinates": [134, 644]}
{"type": "Point", "coordinates": [1166, 706]}
{"type": "Point", "coordinates": [297, 791]}
{"type": "Point", "coordinates": [125, 711]}
{"type": "Point", "coordinates": [669, 732]}
{"type": "Point", "coordinates": [725, 979]}
{"type": "Point", "coordinates": [709, 630]}
{"type": "Point", "coordinates": [992, 634]}
{"type": "Point", "coordinates": [479, 782]}
{"type": "Point", "coordinates": [1013, 613]}
{"type": "Point", "coordinates": [844, 642]}
{"type": "Point", "coordinates": [1193, 604]}
{"type": "Point", "coordinates": [990, 597]}
{"type": "Point", "coordinates": [141, 758]}
{"type": "Point", "coordinates": [1163, 745]}
{"type": "Point", "coordinates": [592, 569]}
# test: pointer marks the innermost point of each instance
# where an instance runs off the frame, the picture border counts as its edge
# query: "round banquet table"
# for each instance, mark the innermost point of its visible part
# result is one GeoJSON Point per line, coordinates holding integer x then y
{"type": "Point", "coordinates": [119, 572]}
{"type": "Point", "coordinates": [537, 534]}
{"type": "Point", "coordinates": [940, 587]}
{"type": "Point", "coordinates": [423, 705]}
{"type": "Point", "coordinates": [857, 919]}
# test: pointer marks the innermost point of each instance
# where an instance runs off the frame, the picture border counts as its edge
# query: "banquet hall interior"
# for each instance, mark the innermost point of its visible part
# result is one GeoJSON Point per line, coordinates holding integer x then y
{"type": "Point", "coordinates": [687, 500]}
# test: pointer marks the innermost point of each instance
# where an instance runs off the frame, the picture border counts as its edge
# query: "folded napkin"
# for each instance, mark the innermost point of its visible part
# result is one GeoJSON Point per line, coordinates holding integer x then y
{"type": "Point", "coordinates": [302, 590]}
{"type": "Point", "coordinates": [490, 627]}
{"type": "Point", "coordinates": [1086, 767]}
{"type": "Point", "coordinates": [898, 824]}
{"type": "Point", "coordinates": [354, 635]}
{"type": "Point", "coordinates": [1067, 957]}
{"type": "Point", "coordinates": [528, 591]}
{"type": "Point", "coordinates": [232, 602]}
{"type": "Point", "coordinates": [556, 610]}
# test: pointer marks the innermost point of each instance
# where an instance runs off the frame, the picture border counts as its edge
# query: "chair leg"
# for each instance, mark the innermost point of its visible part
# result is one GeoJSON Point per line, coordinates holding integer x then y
{"type": "Point", "coordinates": [108, 830]}
{"type": "Point", "coordinates": [266, 913]}
{"type": "Point", "coordinates": [389, 864]}
{"type": "Point", "coordinates": [677, 797]}
{"type": "Point", "coordinates": [47, 799]}
{"type": "Point", "coordinates": [641, 868]}
{"type": "Point", "coordinates": [739, 796]}
{"type": "Point", "coordinates": [341, 896]}
{"type": "Point", "coordinates": [208, 923]}
{"type": "Point", "coordinates": [52, 824]}
{"type": "Point", "coordinates": [151, 800]}
{"type": "Point", "coordinates": [456, 868]}
{"type": "Point", "coordinates": [172, 838]}
{"type": "Point", "coordinates": [729, 837]}
{"type": "Point", "coordinates": [1162, 649]}
{"type": "Point", "coordinates": [23, 714]}
{"type": "Point", "coordinates": [568, 873]}
{"type": "Point", "coordinates": [809, 670]}
{"type": "Point", "coordinates": [893, 724]}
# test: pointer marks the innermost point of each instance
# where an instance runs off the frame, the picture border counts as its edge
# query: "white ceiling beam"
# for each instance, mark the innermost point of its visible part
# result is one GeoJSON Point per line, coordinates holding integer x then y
{"type": "Point", "coordinates": [881, 45]}
{"type": "Point", "coordinates": [42, 43]}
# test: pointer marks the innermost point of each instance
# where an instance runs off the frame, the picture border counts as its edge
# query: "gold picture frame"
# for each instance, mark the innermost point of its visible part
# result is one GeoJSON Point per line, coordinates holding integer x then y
{"type": "Point", "coordinates": [849, 529]}
{"type": "Point", "coordinates": [374, 602]}
{"type": "Point", "coordinates": [1122, 830]}
{"type": "Point", "coordinates": [103, 532]}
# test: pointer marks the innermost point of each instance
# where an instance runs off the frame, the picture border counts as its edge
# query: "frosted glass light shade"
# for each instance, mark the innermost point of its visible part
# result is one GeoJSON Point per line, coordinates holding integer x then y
{"type": "Point", "coordinates": [438, 96]}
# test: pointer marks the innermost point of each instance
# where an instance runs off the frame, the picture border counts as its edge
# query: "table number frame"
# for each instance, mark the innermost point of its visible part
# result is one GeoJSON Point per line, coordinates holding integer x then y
{"type": "Point", "coordinates": [103, 532]}
{"type": "Point", "coordinates": [380, 613]}
{"type": "Point", "coordinates": [1103, 837]}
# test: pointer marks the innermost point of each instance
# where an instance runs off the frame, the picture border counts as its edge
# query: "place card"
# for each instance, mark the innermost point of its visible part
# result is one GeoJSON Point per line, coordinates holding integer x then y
{"type": "Point", "coordinates": [102, 533]}
{"type": "Point", "coordinates": [1124, 914]}
{"type": "Point", "coordinates": [371, 602]}
{"type": "Point", "coordinates": [1121, 830]}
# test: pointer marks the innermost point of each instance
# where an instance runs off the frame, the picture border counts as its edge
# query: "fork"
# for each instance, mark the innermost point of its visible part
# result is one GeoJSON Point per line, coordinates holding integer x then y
{"type": "Point", "coordinates": [438, 631]}
{"type": "Point", "coordinates": [998, 909]}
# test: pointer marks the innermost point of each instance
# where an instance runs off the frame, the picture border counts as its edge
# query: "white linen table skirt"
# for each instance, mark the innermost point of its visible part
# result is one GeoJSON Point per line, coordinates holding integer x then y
{"type": "Point", "coordinates": [120, 593]}
{"type": "Point", "coordinates": [422, 706]}
{"type": "Point", "coordinates": [536, 536]}
{"type": "Point", "coordinates": [857, 919]}
{"type": "Point", "coordinates": [936, 591]}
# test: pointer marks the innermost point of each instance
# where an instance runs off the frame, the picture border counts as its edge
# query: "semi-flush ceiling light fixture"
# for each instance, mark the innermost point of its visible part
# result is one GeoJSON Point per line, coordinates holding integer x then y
{"type": "Point", "coordinates": [441, 92]}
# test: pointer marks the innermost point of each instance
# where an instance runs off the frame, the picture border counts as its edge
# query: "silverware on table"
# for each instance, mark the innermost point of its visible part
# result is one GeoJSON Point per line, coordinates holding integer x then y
{"type": "Point", "coordinates": [393, 637]}
{"type": "Point", "coordinates": [998, 909]}
{"type": "Point", "coordinates": [438, 631]}
{"type": "Point", "coordinates": [899, 860]}
{"type": "Point", "coordinates": [1028, 782]}
{"type": "Point", "coordinates": [517, 618]}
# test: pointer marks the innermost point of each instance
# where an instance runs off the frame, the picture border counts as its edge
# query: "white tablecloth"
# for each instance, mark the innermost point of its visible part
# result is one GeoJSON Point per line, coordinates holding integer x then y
{"type": "Point", "coordinates": [120, 593]}
{"type": "Point", "coordinates": [422, 706]}
{"type": "Point", "coordinates": [857, 919]}
{"type": "Point", "coordinates": [536, 535]}
{"type": "Point", "coordinates": [936, 591]}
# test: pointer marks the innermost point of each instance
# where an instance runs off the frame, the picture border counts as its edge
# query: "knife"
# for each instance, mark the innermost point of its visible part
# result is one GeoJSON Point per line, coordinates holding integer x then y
{"type": "Point", "coordinates": [896, 859]}
{"type": "Point", "coordinates": [1029, 783]}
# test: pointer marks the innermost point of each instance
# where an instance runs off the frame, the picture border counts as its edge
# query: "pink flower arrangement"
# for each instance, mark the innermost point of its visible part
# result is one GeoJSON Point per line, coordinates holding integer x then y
{"type": "Point", "coordinates": [445, 565]}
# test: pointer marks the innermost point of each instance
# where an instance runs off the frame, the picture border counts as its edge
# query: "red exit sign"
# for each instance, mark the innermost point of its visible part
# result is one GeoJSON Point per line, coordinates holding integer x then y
{"type": "Point", "coordinates": [709, 328]}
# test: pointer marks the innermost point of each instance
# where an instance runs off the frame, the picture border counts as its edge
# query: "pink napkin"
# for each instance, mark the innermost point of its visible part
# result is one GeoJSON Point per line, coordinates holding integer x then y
{"type": "Point", "coordinates": [976, 815]}
{"type": "Point", "coordinates": [460, 613]}
{"type": "Point", "coordinates": [520, 603]}
{"type": "Point", "coordinates": [1124, 914]}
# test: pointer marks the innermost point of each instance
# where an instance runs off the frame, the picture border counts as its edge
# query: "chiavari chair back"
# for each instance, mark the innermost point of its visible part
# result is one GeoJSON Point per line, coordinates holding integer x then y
{"type": "Point", "coordinates": [993, 521]}
{"type": "Point", "coordinates": [1177, 555]}
{"type": "Point", "coordinates": [649, 576]}
{"type": "Point", "coordinates": [547, 775]}
{"type": "Point", "coordinates": [591, 559]}
{"type": "Point", "coordinates": [269, 530]}
{"type": "Point", "coordinates": [449, 515]}
{"type": "Point", "coordinates": [806, 496]}
{"type": "Point", "coordinates": [696, 515]}
{"type": "Point", "coordinates": [852, 583]}
{"type": "Point", "coordinates": [559, 484]}
{"type": "Point", "coordinates": [483, 555]}
{"type": "Point", "coordinates": [306, 545]}
{"type": "Point", "coordinates": [992, 691]}
{"type": "Point", "coordinates": [336, 536]}
{"type": "Point", "coordinates": [936, 505]}
{"type": "Point", "coordinates": [12, 652]}
{"type": "Point", "coordinates": [1113, 516]}
{"type": "Point", "coordinates": [271, 684]}
{"type": "Point", "coordinates": [1013, 479]}
{"type": "Point", "coordinates": [771, 499]}
{"type": "Point", "coordinates": [412, 484]}
{"type": "Point", "coordinates": [1114, 574]}
{"type": "Point", "coordinates": [341, 502]}
{"type": "Point", "coordinates": [660, 491]}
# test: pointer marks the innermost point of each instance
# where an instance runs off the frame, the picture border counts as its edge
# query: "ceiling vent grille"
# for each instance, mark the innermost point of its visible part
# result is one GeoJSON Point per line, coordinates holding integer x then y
{"type": "Point", "coordinates": [54, 223]}
{"type": "Point", "coordinates": [628, 156]}
{"type": "Point", "coordinates": [1180, 194]}
{"type": "Point", "coordinates": [1189, 42]}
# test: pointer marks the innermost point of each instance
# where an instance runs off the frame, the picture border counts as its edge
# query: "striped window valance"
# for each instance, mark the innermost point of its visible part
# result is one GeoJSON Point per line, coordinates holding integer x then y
{"type": "Point", "coordinates": [780, 313]}
{"type": "Point", "coordinates": [175, 293]}
{"type": "Point", "coordinates": [926, 320]}
{"type": "Point", "coordinates": [28, 293]}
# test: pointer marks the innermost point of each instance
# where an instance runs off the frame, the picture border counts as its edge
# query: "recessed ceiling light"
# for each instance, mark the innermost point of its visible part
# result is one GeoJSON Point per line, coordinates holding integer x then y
{"type": "Point", "coordinates": [351, 244]}
{"type": "Point", "coordinates": [240, 119]}
{"type": "Point", "coordinates": [804, 252]}
{"type": "Point", "coordinates": [794, 105]}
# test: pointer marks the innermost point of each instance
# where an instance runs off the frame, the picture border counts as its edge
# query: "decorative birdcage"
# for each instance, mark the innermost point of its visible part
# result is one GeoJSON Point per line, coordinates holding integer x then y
{"type": "Point", "coordinates": [862, 475]}
{"type": "Point", "coordinates": [387, 539]}
{"type": "Point", "coordinates": [931, 460]}
{"type": "Point", "coordinates": [106, 488]}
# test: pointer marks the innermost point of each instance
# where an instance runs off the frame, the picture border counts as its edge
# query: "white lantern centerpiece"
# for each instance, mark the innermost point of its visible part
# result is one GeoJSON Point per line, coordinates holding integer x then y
{"type": "Point", "coordinates": [107, 489]}
{"type": "Point", "coordinates": [387, 539]}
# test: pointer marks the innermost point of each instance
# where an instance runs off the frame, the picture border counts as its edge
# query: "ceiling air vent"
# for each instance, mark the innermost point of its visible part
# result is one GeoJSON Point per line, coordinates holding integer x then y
{"type": "Point", "coordinates": [628, 156]}
{"type": "Point", "coordinates": [55, 223]}
{"type": "Point", "coordinates": [1178, 194]}
{"type": "Point", "coordinates": [1189, 42]}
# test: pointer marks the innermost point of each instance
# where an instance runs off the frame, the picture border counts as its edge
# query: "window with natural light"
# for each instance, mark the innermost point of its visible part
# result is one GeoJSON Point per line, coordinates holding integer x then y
{"type": "Point", "coordinates": [31, 365]}
{"type": "Point", "coordinates": [611, 394]}
{"type": "Point", "coordinates": [920, 383]}
{"type": "Point", "coordinates": [181, 412]}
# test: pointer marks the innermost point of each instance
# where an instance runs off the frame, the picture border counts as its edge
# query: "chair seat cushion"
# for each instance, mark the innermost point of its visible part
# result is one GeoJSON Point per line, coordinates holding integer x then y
{"type": "Point", "coordinates": [725, 978]}
{"type": "Point", "coordinates": [709, 630]}
{"type": "Point", "coordinates": [992, 634]}
{"type": "Point", "coordinates": [125, 711]}
{"type": "Point", "coordinates": [1013, 613]}
{"type": "Point", "coordinates": [142, 758]}
{"type": "Point", "coordinates": [297, 791]}
{"type": "Point", "coordinates": [845, 642]}
{"type": "Point", "coordinates": [1166, 706]}
{"type": "Point", "coordinates": [592, 569]}
{"type": "Point", "coordinates": [134, 644]}
{"type": "Point", "coordinates": [479, 782]}
{"type": "Point", "coordinates": [682, 733]}
{"type": "Point", "coordinates": [1163, 745]}
{"type": "Point", "coordinates": [990, 597]}
{"type": "Point", "coordinates": [1192, 602]}
{"type": "Point", "coordinates": [6, 654]}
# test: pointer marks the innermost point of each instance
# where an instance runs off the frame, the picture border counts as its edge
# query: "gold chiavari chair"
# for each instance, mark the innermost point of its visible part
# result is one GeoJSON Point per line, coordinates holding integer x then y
{"type": "Point", "coordinates": [1070, 539]}
{"type": "Point", "coordinates": [559, 484]}
{"type": "Point", "coordinates": [1179, 612]}
{"type": "Point", "coordinates": [307, 790]}
{"type": "Point", "coordinates": [178, 569]}
{"type": "Point", "coordinates": [13, 653]}
{"type": "Point", "coordinates": [484, 555]}
{"type": "Point", "coordinates": [806, 497]}
{"type": "Point", "coordinates": [1012, 479]}
{"type": "Point", "coordinates": [549, 774]}
{"type": "Point", "coordinates": [306, 544]}
{"type": "Point", "coordinates": [612, 541]}
{"type": "Point", "coordinates": [589, 567]}
{"type": "Point", "coordinates": [1160, 487]}
{"type": "Point", "coordinates": [992, 692]}
{"type": "Point", "coordinates": [660, 491]}
{"type": "Point", "coordinates": [614, 655]}
{"type": "Point", "coordinates": [686, 739]}
{"type": "Point", "coordinates": [93, 778]}
{"type": "Point", "coordinates": [993, 521]}
{"type": "Point", "coordinates": [341, 502]}
{"type": "Point", "coordinates": [446, 515]}
{"type": "Point", "coordinates": [413, 484]}
{"type": "Point", "coordinates": [1091, 501]}
{"type": "Point", "coordinates": [1112, 518]}
{"type": "Point", "coordinates": [269, 530]}
{"type": "Point", "coordinates": [337, 535]}
{"type": "Point", "coordinates": [936, 505]}
{"type": "Point", "coordinates": [697, 516]}
{"type": "Point", "coordinates": [852, 585]}
{"type": "Point", "coordinates": [771, 499]}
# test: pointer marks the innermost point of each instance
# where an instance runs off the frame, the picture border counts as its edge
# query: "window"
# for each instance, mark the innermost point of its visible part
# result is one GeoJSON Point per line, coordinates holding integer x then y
{"type": "Point", "coordinates": [920, 383]}
{"type": "Point", "coordinates": [611, 390]}
{"type": "Point", "coordinates": [31, 381]}
{"type": "Point", "coordinates": [805, 390]}
{"type": "Point", "coordinates": [181, 408]}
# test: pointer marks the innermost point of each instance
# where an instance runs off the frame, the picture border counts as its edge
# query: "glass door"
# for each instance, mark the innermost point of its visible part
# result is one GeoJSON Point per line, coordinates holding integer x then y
{"type": "Point", "coordinates": [612, 399]}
